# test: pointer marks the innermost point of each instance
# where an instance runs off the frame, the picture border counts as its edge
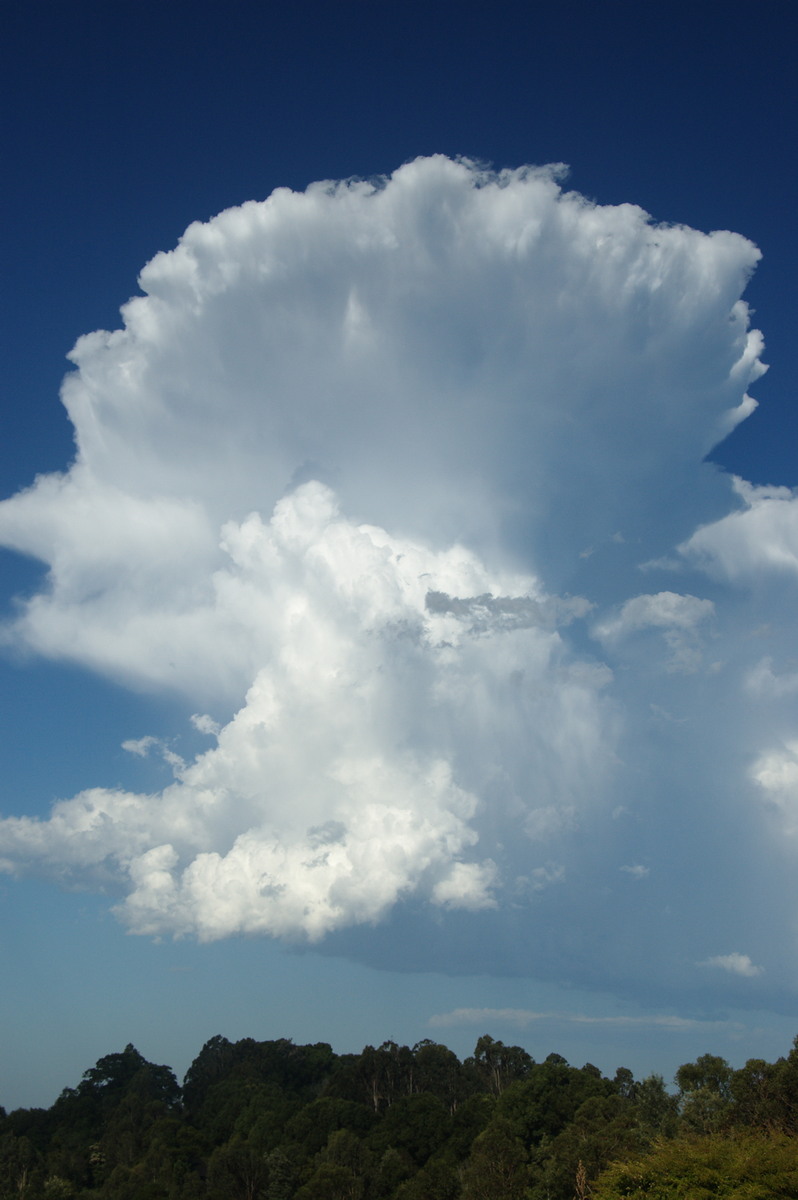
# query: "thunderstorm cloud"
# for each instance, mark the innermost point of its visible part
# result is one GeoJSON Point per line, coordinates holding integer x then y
{"type": "Point", "coordinates": [369, 474]}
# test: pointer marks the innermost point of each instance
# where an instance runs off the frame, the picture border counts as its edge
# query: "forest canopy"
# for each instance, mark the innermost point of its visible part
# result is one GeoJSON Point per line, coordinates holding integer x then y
{"type": "Point", "coordinates": [277, 1121]}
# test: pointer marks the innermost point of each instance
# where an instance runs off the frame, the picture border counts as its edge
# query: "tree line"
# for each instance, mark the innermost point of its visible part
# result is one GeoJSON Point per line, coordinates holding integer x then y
{"type": "Point", "coordinates": [277, 1121]}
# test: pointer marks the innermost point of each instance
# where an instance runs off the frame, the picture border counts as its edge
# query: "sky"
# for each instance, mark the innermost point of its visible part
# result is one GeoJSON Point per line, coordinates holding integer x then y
{"type": "Point", "coordinates": [399, 530]}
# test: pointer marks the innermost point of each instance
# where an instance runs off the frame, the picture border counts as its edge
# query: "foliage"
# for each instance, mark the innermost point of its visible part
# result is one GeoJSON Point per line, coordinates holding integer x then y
{"type": "Point", "coordinates": [745, 1166]}
{"type": "Point", "coordinates": [276, 1121]}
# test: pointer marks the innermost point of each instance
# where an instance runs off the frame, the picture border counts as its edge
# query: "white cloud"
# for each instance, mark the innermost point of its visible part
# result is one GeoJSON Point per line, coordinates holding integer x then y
{"type": "Point", "coordinates": [205, 724]}
{"type": "Point", "coordinates": [665, 610]}
{"type": "Point", "coordinates": [761, 537]}
{"type": "Point", "coordinates": [492, 346]}
{"type": "Point", "coordinates": [140, 746]}
{"type": "Point", "coordinates": [735, 964]}
{"type": "Point", "coordinates": [467, 885]}
{"type": "Point", "coordinates": [333, 478]}
{"type": "Point", "coordinates": [765, 682]}
{"type": "Point", "coordinates": [776, 773]}
{"type": "Point", "coordinates": [677, 616]}
{"type": "Point", "coordinates": [331, 793]}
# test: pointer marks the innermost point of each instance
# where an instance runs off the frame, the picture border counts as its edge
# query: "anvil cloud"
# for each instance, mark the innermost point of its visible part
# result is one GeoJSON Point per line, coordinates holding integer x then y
{"type": "Point", "coordinates": [369, 473]}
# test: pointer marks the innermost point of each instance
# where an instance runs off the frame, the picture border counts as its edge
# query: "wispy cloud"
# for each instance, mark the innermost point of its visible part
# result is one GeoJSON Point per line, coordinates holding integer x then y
{"type": "Point", "coordinates": [677, 617]}
{"type": "Point", "coordinates": [636, 870]}
{"type": "Point", "coordinates": [522, 1017]}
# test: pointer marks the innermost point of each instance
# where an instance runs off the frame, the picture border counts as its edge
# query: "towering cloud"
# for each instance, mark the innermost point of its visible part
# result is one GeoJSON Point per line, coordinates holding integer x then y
{"type": "Point", "coordinates": [369, 472]}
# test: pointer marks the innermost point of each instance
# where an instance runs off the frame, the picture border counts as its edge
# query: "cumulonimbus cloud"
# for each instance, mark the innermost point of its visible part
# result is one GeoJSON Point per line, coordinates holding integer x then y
{"type": "Point", "coordinates": [333, 477]}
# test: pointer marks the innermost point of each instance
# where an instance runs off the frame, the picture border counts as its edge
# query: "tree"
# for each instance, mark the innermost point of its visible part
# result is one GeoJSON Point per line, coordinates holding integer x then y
{"type": "Point", "coordinates": [542, 1104]}
{"type": "Point", "coordinates": [385, 1074]}
{"type": "Point", "coordinates": [497, 1065]}
{"type": "Point", "coordinates": [439, 1071]}
{"type": "Point", "coordinates": [468, 1120]}
{"type": "Point", "coordinates": [417, 1125]}
{"type": "Point", "coordinates": [656, 1110]}
{"type": "Point", "coordinates": [115, 1073]}
{"type": "Point", "coordinates": [497, 1168]}
{"type": "Point", "coordinates": [757, 1098]}
{"type": "Point", "coordinates": [604, 1128]}
{"type": "Point", "coordinates": [708, 1072]}
{"type": "Point", "coordinates": [705, 1093]}
{"type": "Point", "coordinates": [625, 1083]}
{"type": "Point", "coordinates": [786, 1076]}
{"type": "Point", "coordinates": [312, 1125]}
{"type": "Point", "coordinates": [747, 1166]}
{"type": "Point", "coordinates": [211, 1064]}
{"type": "Point", "coordinates": [436, 1181]}
{"type": "Point", "coordinates": [237, 1172]}
{"type": "Point", "coordinates": [393, 1168]}
{"type": "Point", "coordinates": [21, 1167]}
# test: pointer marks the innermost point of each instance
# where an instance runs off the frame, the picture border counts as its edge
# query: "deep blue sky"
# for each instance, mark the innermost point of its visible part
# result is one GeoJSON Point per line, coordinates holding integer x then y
{"type": "Point", "coordinates": [121, 124]}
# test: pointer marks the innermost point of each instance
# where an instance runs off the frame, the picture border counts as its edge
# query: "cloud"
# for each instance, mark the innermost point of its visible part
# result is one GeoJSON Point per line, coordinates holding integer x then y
{"type": "Point", "coordinates": [776, 773]}
{"type": "Point", "coordinates": [204, 723]}
{"type": "Point", "coordinates": [334, 479]}
{"type": "Point", "coordinates": [760, 538]}
{"type": "Point", "coordinates": [636, 871]}
{"type": "Point", "coordinates": [523, 1017]}
{"type": "Point", "coordinates": [331, 792]}
{"type": "Point", "coordinates": [764, 681]}
{"type": "Point", "coordinates": [735, 964]}
{"type": "Point", "coordinates": [677, 616]}
{"type": "Point", "coordinates": [440, 348]}
{"type": "Point", "coordinates": [540, 877]}
{"type": "Point", "coordinates": [467, 885]}
{"type": "Point", "coordinates": [140, 746]}
{"type": "Point", "coordinates": [665, 610]}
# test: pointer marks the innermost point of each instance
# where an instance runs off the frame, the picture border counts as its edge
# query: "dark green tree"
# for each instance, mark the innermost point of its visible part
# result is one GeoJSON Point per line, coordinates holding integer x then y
{"type": "Point", "coordinates": [548, 1098]}
{"type": "Point", "coordinates": [497, 1065]}
{"type": "Point", "coordinates": [439, 1071]}
{"type": "Point", "coordinates": [417, 1125]}
{"type": "Point", "coordinates": [602, 1130]}
{"type": "Point", "coordinates": [757, 1097]}
{"type": "Point", "coordinates": [236, 1171]}
{"type": "Point", "coordinates": [497, 1168]}
{"type": "Point", "coordinates": [21, 1168]}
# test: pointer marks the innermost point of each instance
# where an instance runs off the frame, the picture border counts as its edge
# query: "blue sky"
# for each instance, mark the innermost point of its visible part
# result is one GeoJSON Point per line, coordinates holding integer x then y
{"type": "Point", "coordinates": [496, 654]}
